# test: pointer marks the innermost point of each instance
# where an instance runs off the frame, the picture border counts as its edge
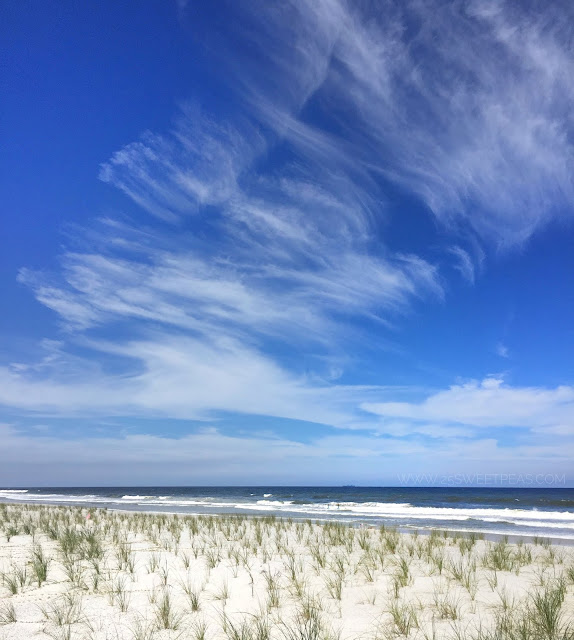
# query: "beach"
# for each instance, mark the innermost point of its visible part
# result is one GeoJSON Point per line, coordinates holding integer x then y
{"type": "Point", "coordinates": [88, 573]}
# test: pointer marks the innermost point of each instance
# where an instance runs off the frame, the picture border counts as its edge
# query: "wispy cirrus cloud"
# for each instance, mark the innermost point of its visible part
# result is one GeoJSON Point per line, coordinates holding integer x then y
{"type": "Point", "coordinates": [467, 106]}
{"type": "Point", "coordinates": [464, 263]}
{"type": "Point", "coordinates": [502, 350]}
{"type": "Point", "coordinates": [268, 253]}
{"type": "Point", "coordinates": [199, 164]}
{"type": "Point", "coordinates": [266, 260]}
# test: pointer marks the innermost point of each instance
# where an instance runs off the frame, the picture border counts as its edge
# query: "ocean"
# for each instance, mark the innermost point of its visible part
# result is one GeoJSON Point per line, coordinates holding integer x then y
{"type": "Point", "coordinates": [513, 512]}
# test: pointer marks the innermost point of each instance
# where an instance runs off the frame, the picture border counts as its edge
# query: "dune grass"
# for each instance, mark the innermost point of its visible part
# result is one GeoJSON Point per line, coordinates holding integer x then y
{"type": "Point", "coordinates": [142, 576]}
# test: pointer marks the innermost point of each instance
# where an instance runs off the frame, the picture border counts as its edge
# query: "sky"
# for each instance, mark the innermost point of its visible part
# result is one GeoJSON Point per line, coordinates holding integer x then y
{"type": "Point", "coordinates": [307, 242]}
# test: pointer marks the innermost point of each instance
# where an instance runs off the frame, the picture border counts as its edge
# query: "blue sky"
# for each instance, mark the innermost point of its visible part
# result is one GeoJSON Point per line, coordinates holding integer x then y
{"type": "Point", "coordinates": [301, 242]}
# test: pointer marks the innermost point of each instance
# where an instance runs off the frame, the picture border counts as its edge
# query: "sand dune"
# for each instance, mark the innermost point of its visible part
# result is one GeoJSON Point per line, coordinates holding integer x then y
{"type": "Point", "coordinates": [139, 576]}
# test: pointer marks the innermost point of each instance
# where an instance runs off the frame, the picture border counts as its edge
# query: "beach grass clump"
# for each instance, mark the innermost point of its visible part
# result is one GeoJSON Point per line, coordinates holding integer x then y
{"type": "Point", "coordinates": [523, 556]}
{"type": "Point", "coordinates": [436, 560]}
{"type": "Point", "coordinates": [7, 613]}
{"type": "Point", "coordinates": [241, 630]}
{"type": "Point", "coordinates": [447, 606]}
{"type": "Point", "coordinates": [541, 541]}
{"type": "Point", "coordinates": [367, 566]}
{"type": "Point", "coordinates": [499, 557]}
{"type": "Point", "coordinates": [307, 624]}
{"type": "Point", "coordinates": [118, 593]}
{"type": "Point", "coordinates": [164, 575]}
{"type": "Point", "coordinates": [92, 545]}
{"type": "Point", "coordinates": [60, 633]}
{"type": "Point", "coordinates": [546, 613]}
{"type": "Point", "coordinates": [142, 629]}
{"type": "Point", "coordinates": [186, 559]}
{"type": "Point", "coordinates": [540, 616]}
{"type": "Point", "coordinates": [74, 571]}
{"type": "Point", "coordinates": [8, 579]}
{"type": "Point", "coordinates": [261, 626]}
{"type": "Point", "coordinates": [466, 544]}
{"type": "Point", "coordinates": [213, 557]}
{"type": "Point", "coordinates": [10, 531]}
{"type": "Point", "coordinates": [391, 540]}
{"type": "Point", "coordinates": [293, 566]}
{"type": "Point", "coordinates": [404, 616]}
{"type": "Point", "coordinates": [319, 555]}
{"type": "Point", "coordinates": [363, 539]}
{"type": "Point", "coordinates": [298, 587]}
{"type": "Point", "coordinates": [221, 594]}
{"type": "Point", "coordinates": [193, 595]}
{"type": "Point", "coordinates": [15, 579]}
{"type": "Point", "coordinates": [492, 579]}
{"type": "Point", "coordinates": [125, 558]}
{"type": "Point", "coordinates": [153, 562]}
{"type": "Point", "coordinates": [67, 610]}
{"type": "Point", "coordinates": [402, 574]}
{"type": "Point", "coordinates": [198, 629]}
{"type": "Point", "coordinates": [39, 564]}
{"type": "Point", "coordinates": [273, 588]}
{"type": "Point", "coordinates": [506, 601]}
{"type": "Point", "coordinates": [166, 614]}
{"type": "Point", "coordinates": [70, 541]}
{"type": "Point", "coordinates": [334, 585]}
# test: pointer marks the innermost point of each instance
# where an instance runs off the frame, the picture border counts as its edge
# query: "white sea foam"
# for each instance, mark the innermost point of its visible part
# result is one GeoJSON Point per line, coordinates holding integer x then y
{"type": "Point", "coordinates": [3, 491]}
{"type": "Point", "coordinates": [407, 511]}
{"type": "Point", "coordinates": [187, 503]}
{"type": "Point", "coordinates": [59, 498]}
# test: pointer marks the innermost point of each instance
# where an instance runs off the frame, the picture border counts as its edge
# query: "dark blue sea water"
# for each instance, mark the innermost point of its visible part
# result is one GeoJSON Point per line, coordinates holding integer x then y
{"type": "Point", "coordinates": [521, 512]}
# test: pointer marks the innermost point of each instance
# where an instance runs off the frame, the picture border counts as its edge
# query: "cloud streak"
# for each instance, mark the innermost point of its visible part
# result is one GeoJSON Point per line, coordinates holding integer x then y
{"type": "Point", "coordinates": [490, 403]}
{"type": "Point", "coordinates": [465, 105]}
{"type": "Point", "coordinates": [267, 260]}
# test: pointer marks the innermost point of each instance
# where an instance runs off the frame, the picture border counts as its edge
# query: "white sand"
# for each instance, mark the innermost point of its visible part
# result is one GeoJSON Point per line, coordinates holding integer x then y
{"type": "Point", "coordinates": [266, 579]}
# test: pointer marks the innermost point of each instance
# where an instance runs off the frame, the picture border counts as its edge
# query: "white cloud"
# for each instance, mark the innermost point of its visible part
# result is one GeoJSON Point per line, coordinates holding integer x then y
{"type": "Point", "coordinates": [489, 403]}
{"type": "Point", "coordinates": [469, 106]}
{"type": "Point", "coordinates": [175, 377]}
{"type": "Point", "coordinates": [464, 263]}
{"type": "Point", "coordinates": [502, 350]}
{"type": "Point", "coordinates": [198, 165]}
{"type": "Point", "coordinates": [287, 259]}
{"type": "Point", "coordinates": [179, 377]}
{"type": "Point", "coordinates": [240, 290]}
{"type": "Point", "coordinates": [398, 429]}
{"type": "Point", "coordinates": [291, 265]}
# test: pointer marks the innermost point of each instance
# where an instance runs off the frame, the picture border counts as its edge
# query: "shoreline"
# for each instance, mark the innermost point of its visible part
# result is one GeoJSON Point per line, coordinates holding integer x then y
{"type": "Point", "coordinates": [516, 523]}
{"type": "Point", "coordinates": [295, 516]}
{"type": "Point", "coordinates": [485, 535]}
